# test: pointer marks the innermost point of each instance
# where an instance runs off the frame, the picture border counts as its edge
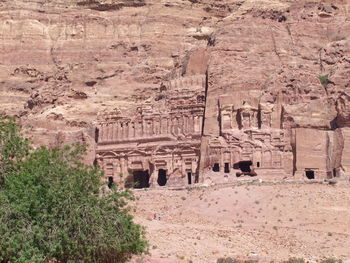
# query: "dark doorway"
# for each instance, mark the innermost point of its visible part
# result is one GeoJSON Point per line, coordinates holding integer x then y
{"type": "Point", "coordinates": [258, 164]}
{"type": "Point", "coordinates": [196, 179]}
{"type": "Point", "coordinates": [141, 179]}
{"type": "Point", "coordinates": [216, 167]}
{"type": "Point", "coordinates": [97, 134]}
{"type": "Point", "coordinates": [335, 174]}
{"type": "Point", "coordinates": [310, 174]}
{"type": "Point", "coordinates": [245, 166]}
{"type": "Point", "coordinates": [110, 182]}
{"type": "Point", "coordinates": [161, 177]}
{"type": "Point", "coordinates": [189, 177]}
{"type": "Point", "coordinates": [227, 168]}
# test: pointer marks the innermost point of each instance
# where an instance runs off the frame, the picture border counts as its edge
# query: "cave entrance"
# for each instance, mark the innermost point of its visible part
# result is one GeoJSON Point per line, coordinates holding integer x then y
{"type": "Point", "coordinates": [245, 166]}
{"type": "Point", "coordinates": [189, 178]}
{"type": "Point", "coordinates": [216, 167]}
{"type": "Point", "coordinates": [161, 177]}
{"type": "Point", "coordinates": [310, 174]}
{"type": "Point", "coordinates": [110, 182]}
{"type": "Point", "coordinates": [227, 168]}
{"type": "Point", "coordinates": [258, 164]}
{"type": "Point", "coordinates": [141, 179]}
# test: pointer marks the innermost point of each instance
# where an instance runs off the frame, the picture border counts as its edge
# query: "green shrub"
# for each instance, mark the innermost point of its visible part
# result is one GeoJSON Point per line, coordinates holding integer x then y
{"type": "Point", "coordinates": [331, 260]}
{"type": "Point", "coordinates": [13, 147]}
{"type": "Point", "coordinates": [233, 260]}
{"type": "Point", "coordinates": [324, 80]}
{"type": "Point", "coordinates": [53, 209]}
{"type": "Point", "coordinates": [339, 38]}
{"type": "Point", "coordinates": [226, 260]}
{"type": "Point", "coordinates": [295, 260]}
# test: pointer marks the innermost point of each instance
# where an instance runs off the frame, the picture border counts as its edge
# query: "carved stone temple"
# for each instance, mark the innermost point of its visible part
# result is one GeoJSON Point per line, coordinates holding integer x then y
{"type": "Point", "coordinates": [183, 138]}
{"type": "Point", "coordinates": [248, 133]}
{"type": "Point", "coordinates": [159, 143]}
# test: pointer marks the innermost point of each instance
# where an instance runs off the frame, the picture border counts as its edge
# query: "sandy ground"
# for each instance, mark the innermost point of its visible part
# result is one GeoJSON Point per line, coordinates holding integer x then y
{"type": "Point", "coordinates": [265, 221]}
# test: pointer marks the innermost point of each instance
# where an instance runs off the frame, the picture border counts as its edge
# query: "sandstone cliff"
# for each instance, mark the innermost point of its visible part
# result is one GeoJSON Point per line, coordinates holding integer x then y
{"type": "Point", "coordinates": [64, 61]}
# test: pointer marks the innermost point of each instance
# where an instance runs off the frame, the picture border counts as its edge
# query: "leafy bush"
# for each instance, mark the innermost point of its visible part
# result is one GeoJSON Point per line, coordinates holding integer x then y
{"type": "Point", "coordinates": [340, 38]}
{"type": "Point", "coordinates": [295, 260]}
{"type": "Point", "coordinates": [324, 80]}
{"type": "Point", "coordinates": [226, 260]}
{"type": "Point", "coordinates": [233, 260]}
{"type": "Point", "coordinates": [53, 209]}
{"type": "Point", "coordinates": [13, 147]}
{"type": "Point", "coordinates": [331, 260]}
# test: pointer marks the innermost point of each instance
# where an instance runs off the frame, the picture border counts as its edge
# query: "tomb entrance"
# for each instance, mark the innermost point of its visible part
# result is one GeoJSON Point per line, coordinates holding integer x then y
{"type": "Point", "coordinates": [310, 174]}
{"type": "Point", "coordinates": [161, 177]}
{"type": "Point", "coordinates": [141, 179]}
{"type": "Point", "coordinates": [216, 167]}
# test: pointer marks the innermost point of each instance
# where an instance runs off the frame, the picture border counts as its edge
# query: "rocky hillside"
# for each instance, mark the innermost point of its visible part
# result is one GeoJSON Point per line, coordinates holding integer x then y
{"type": "Point", "coordinates": [64, 61]}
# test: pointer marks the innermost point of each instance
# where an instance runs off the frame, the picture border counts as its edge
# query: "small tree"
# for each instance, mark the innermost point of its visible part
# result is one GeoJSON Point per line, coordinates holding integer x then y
{"type": "Point", "coordinates": [53, 210]}
{"type": "Point", "coordinates": [13, 147]}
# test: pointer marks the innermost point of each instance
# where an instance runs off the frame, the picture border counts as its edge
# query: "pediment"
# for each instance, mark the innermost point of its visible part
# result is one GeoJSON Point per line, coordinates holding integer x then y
{"type": "Point", "coordinates": [109, 155]}
{"type": "Point", "coordinates": [136, 152]}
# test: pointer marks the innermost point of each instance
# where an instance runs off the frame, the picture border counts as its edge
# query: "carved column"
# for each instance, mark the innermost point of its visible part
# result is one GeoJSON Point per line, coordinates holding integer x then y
{"type": "Point", "coordinates": [121, 131]}
{"type": "Point", "coordinates": [124, 168]}
{"type": "Point", "coordinates": [194, 166]}
{"type": "Point", "coordinates": [131, 130]}
{"type": "Point", "coordinates": [173, 125]}
{"type": "Point", "coordinates": [153, 127]}
{"type": "Point", "coordinates": [191, 124]}
{"type": "Point", "coordinates": [196, 124]}
{"type": "Point", "coordinates": [185, 124]}
{"type": "Point", "coordinates": [181, 125]}
{"type": "Point", "coordinates": [115, 177]}
{"type": "Point", "coordinates": [145, 129]}
{"type": "Point", "coordinates": [222, 161]}
{"type": "Point", "coordinates": [183, 167]}
{"type": "Point", "coordinates": [126, 130]}
{"type": "Point", "coordinates": [169, 125]}
{"type": "Point", "coordinates": [106, 133]}
{"type": "Point", "coordinates": [114, 128]}
{"type": "Point", "coordinates": [149, 128]}
{"type": "Point", "coordinates": [200, 123]}
{"type": "Point", "coordinates": [170, 165]}
{"type": "Point", "coordinates": [162, 125]}
{"type": "Point", "coordinates": [234, 121]}
{"type": "Point", "coordinates": [137, 129]}
{"type": "Point", "coordinates": [117, 131]}
{"type": "Point", "coordinates": [157, 127]}
{"type": "Point", "coordinates": [176, 126]}
{"type": "Point", "coordinates": [109, 132]}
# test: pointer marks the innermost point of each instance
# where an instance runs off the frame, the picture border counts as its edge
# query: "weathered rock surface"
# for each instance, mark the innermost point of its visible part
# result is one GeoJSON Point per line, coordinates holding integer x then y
{"type": "Point", "coordinates": [62, 62]}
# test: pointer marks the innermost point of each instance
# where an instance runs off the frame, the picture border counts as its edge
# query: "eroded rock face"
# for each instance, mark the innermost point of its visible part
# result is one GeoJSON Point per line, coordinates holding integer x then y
{"type": "Point", "coordinates": [274, 70]}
